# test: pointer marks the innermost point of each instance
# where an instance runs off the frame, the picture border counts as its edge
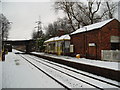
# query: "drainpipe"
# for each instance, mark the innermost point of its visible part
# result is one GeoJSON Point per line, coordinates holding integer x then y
{"type": "Point", "coordinates": [86, 42]}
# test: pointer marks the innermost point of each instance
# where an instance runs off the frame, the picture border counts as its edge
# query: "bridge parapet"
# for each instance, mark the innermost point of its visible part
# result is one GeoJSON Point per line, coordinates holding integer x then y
{"type": "Point", "coordinates": [23, 45]}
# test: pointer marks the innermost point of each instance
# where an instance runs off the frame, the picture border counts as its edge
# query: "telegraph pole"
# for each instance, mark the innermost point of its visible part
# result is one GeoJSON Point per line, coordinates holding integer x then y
{"type": "Point", "coordinates": [39, 30]}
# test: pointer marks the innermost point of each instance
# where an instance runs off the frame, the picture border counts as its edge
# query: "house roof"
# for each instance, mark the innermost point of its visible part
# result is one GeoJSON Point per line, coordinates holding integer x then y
{"type": "Point", "coordinates": [92, 27]}
{"type": "Point", "coordinates": [63, 37]}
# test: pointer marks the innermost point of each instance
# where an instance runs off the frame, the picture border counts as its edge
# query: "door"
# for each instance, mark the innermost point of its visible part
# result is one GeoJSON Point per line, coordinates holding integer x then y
{"type": "Point", "coordinates": [92, 51]}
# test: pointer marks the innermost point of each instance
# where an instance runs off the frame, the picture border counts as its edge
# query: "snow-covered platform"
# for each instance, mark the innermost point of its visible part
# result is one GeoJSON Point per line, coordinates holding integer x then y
{"type": "Point", "coordinates": [98, 63]}
{"type": "Point", "coordinates": [17, 73]}
{"type": "Point", "coordinates": [103, 68]}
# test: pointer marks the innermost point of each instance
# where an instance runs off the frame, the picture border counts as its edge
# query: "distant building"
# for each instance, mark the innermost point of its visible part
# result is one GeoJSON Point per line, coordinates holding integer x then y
{"type": "Point", "coordinates": [90, 40]}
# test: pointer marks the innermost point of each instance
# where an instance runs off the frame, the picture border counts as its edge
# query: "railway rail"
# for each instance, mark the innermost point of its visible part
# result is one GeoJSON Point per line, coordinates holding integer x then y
{"type": "Point", "coordinates": [62, 66]}
{"type": "Point", "coordinates": [47, 74]}
{"type": "Point", "coordinates": [100, 71]}
{"type": "Point", "coordinates": [70, 73]}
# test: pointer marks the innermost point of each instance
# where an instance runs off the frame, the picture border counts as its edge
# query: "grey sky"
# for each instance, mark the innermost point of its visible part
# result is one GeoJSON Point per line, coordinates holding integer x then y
{"type": "Point", "coordinates": [24, 14]}
{"type": "Point", "coordinates": [0, 7]}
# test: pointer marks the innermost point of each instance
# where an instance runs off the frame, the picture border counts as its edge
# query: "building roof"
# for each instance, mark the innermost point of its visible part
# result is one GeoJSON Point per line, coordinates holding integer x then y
{"type": "Point", "coordinates": [63, 37]}
{"type": "Point", "coordinates": [92, 27]}
{"type": "Point", "coordinates": [52, 39]}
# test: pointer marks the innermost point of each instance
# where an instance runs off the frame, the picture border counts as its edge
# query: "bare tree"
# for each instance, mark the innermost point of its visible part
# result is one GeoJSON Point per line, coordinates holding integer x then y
{"type": "Point", "coordinates": [5, 26]}
{"type": "Point", "coordinates": [78, 13]}
{"type": "Point", "coordinates": [108, 9]}
{"type": "Point", "coordinates": [79, 16]}
{"type": "Point", "coordinates": [65, 25]}
{"type": "Point", "coordinates": [65, 6]}
{"type": "Point", "coordinates": [52, 29]}
{"type": "Point", "coordinates": [90, 10]}
{"type": "Point", "coordinates": [82, 14]}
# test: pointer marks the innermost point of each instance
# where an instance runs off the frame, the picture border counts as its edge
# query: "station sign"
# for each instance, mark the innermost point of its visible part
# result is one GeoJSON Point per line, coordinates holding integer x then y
{"type": "Point", "coordinates": [92, 45]}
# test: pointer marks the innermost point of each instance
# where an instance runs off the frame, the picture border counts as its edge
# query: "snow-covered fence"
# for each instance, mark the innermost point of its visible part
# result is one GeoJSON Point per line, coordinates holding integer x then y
{"type": "Point", "coordinates": [111, 55]}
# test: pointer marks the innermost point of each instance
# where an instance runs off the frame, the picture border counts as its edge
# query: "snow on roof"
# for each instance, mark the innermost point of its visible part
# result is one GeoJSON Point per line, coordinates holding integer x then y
{"type": "Point", "coordinates": [92, 26]}
{"type": "Point", "coordinates": [63, 37]}
{"type": "Point", "coordinates": [52, 39]}
{"type": "Point", "coordinates": [19, 39]}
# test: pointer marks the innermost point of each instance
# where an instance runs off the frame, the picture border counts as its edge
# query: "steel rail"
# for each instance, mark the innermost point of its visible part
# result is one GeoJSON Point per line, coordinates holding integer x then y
{"type": "Point", "coordinates": [71, 76]}
{"type": "Point", "coordinates": [66, 87]}
{"type": "Point", "coordinates": [78, 72]}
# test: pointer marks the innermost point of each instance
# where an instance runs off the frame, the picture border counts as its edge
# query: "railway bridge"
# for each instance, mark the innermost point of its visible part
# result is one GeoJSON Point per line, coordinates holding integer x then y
{"type": "Point", "coordinates": [23, 45]}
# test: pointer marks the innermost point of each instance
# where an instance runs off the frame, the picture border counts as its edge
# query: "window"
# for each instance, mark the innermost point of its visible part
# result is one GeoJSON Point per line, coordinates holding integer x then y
{"type": "Point", "coordinates": [71, 48]}
{"type": "Point", "coordinates": [115, 46]}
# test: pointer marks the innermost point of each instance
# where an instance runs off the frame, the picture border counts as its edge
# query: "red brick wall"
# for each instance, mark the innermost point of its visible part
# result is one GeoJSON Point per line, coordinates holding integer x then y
{"type": "Point", "coordinates": [79, 44]}
{"type": "Point", "coordinates": [101, 38]}
{"type": "Point", "coordinates": [111, 29]}
{"type": "Point", "coordinates": [93, 37]}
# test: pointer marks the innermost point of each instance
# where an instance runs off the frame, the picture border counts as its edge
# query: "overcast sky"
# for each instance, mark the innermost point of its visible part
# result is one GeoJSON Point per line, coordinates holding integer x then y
{"type": "Point", "coordinates": [23, 16]}
{"type": "Point", "coordinates": [24, 13]}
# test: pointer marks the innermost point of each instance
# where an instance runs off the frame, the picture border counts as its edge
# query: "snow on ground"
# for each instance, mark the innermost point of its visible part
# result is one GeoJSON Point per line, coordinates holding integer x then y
{"type": "Point", "coordinates": [104, 64]}
{"type": "Point", "coordinates": [70, 81]}
{"type": "Point", "coordinates": [17, 73]}
{"type": "Point", "coordinates": [89, 74]}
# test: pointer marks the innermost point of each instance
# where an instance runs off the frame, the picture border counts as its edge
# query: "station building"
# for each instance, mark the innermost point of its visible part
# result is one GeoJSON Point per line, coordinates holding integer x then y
{"type": "Point", "coordinates": [89, 41]}
{"type": "Point", "coordinates": [58, 45]}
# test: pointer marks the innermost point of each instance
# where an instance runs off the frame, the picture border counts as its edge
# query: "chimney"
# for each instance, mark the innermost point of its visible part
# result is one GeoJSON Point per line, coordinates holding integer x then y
{"type": "Point", "coordinates": [61, 32]}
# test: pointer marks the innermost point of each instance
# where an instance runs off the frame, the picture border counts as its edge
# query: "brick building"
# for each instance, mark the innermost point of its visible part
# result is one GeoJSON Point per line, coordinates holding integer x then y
{"type": "Point", "coordinates": [90, 40]}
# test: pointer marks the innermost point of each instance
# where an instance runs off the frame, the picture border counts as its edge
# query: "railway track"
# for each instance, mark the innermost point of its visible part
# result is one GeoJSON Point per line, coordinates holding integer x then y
{"type": "Point", "coordinates": [67, 88]}
{"type": "Point", "coordinates": [55, 66]}
{"type": "Point", "coordinates": [63, 66]}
